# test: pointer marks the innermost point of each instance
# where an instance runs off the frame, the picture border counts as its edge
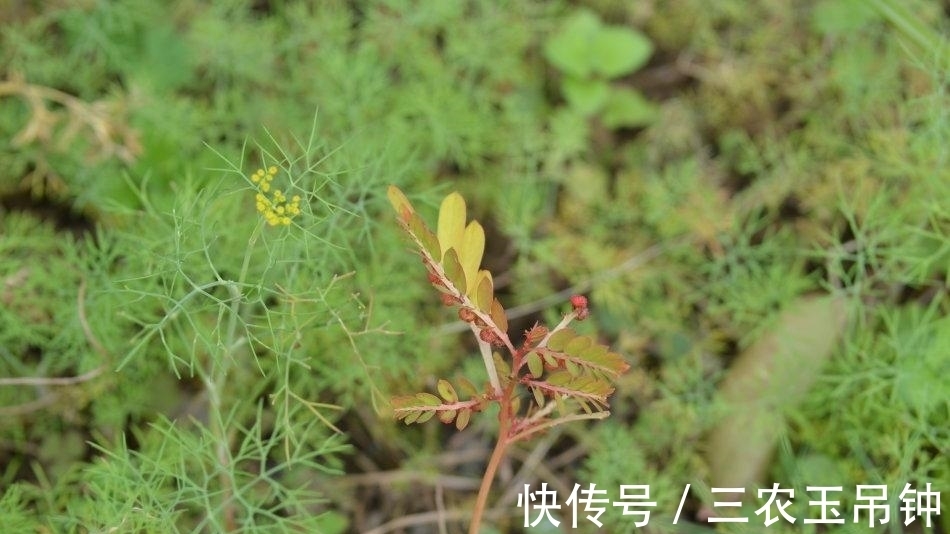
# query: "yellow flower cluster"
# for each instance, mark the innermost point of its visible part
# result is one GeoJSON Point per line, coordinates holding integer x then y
{"type": "Point", "coordinates": [276, 209]}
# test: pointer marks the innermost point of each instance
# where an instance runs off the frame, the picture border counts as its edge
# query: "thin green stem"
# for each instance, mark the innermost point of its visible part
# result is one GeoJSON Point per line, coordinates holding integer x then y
{"type": "Point", "coordinates": [215, 384]}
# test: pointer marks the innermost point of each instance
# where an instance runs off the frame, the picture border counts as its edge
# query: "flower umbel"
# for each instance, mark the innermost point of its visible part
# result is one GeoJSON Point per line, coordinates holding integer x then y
{"type": "Point", "coordinates": [277, 209]}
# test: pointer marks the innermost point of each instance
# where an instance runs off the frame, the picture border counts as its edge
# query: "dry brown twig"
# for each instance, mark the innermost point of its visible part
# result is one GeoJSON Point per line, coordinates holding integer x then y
{"type": "Point", "coordinates": [56, 129]}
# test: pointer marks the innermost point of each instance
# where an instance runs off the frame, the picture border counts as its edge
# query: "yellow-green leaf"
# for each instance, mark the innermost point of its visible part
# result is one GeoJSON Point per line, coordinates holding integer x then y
{"type": "Point", "coordinates": [428, 399]}
{"type": "Point", "coordinates": [538, 397]}
{"type": "Point", "coordinates": [425, 416]}
{"type": "Point", "coordinates": [572, 368]}
{"type": "Point", "coordinates": [501, 365]}
{"type": "Point", "coordinates": [485, 291]}
{"type": "Point", "coordinates": [535, 364]}
{"type": "Point", "coordinates": [499, 316]}
{"type": "Point", "coordinates": [453, 270]}
{"type": "Point", "coordinates": [451, 229]}
{"type": "Point", "coordinates": [425, 236]}
{"type": "Point", "coordinates": [412, 417]}
{"type": "Point", "coordinates": [467, 386]}
{"type": "Point", "coordinates": [462, 420]}
{"type": "Point", "coordinates": [594, 354]}
{"type": "Point", "coordinates": [399, 202]}
{"type": "Point", "coordinates": [578, 344]}
{"type": "Point", "coordinates": [559, 339]}
{"type": "Point", "coordinates": [471, 250]}
{"type": "Point", "coordinates": [447, 391]}
{"type": "Point", "coordinates": [447, 416]}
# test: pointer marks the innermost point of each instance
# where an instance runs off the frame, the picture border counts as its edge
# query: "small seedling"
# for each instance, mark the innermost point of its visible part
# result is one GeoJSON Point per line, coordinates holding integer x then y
{"type": "Point", "coordinates": [590, 55]}
{"type": "Point", "coordinates": [552, 377]}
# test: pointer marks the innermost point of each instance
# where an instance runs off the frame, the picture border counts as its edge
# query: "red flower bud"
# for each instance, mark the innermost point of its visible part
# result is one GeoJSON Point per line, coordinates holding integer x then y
{"type": "Point", "coordinates": [579, 302]}
{"type": "Point", "coordinates": [467, 315]}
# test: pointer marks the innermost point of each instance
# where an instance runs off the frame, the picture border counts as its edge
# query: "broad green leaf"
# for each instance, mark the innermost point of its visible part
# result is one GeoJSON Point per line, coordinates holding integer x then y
{"type": "Point", "coordinates": [412, 417]}
{"type": "Point", "coordinates": [451, 229]}
{"type": "Point", "coordinates": [766, 380]}
{"type": "Point", "coordinates": [453, 270]}
{"type": "Point", "coordinates": [471, 251]}
{"type": "Point", "coordinates": [617, 51]}
{"type": "Point", "coordinates": [585, 95]}
{"type": "Point", "coordinates": [447, 391]}
{"type": "Point", "coordinates": [425, 416]}
{"type": "Point", "coordinates": [627, 108]}
{"type": "Point", "coordinates": [399, 202]}
{"type": "Point", "coordinates": [569, 48]}
{"type": "Point", "coordinates": [584, 47]}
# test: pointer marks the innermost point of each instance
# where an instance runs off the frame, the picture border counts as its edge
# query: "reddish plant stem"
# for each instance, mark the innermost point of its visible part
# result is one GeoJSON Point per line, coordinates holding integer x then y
{"type": "Point", "coordinates": [501, 446]}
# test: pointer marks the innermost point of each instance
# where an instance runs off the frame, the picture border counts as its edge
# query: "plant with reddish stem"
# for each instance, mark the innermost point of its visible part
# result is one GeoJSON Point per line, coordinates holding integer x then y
{"type": "Point", "coordinates": [569, 376]}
